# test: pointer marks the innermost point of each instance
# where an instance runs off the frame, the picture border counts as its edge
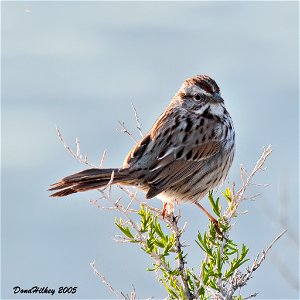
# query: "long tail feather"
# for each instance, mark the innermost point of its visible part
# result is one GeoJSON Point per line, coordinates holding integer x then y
{"type": "Point", "coordinates": [88, 179]}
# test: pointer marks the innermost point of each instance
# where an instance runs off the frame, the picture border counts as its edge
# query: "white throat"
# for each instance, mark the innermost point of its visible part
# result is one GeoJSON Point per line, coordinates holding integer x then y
{"type": "Point", "coordinates": [216, 109]}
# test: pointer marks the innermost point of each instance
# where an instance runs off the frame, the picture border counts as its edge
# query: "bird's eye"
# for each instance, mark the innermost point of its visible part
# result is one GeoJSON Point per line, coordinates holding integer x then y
{"type": "Point", "coordinates": [197, 97]}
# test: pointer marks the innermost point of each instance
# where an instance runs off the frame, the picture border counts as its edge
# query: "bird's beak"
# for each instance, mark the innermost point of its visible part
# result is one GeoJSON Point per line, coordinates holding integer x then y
{"type": "Point", "coordinates": [217, 98]}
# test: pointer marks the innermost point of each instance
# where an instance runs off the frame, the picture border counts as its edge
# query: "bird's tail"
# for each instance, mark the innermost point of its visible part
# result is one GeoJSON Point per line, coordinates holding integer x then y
{"type": "Point", "coordinates": [88, 179]}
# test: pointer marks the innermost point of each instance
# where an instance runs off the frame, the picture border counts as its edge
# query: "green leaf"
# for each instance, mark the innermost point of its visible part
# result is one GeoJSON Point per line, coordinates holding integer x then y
{"type": "Point", "coordinates": [159, 231]}
{"type": "Point", "coordinates": [203, 243]}
{"type": "Point", "coordinates": [125, 230]}
{"type": "Point", "coordinates": [134, 241]}
{"type": "Point", "coordinates": [145, 218]}
{"type": "Point", "coordinates": [181, 293]}
{"type": "Point", "coordinates": [154, 268]}
{"type": "Point", "coordinates": [159, 243]}
{"type": "Point", "coordinates": [213, 285]}
{"type": "Point", "coordinates": [202, 292]}
{"type": "Point", "coordinates": [219, 262]}
{"type": "Point", "coordinates": [227, 194]}
{"type": "Point", "coordinates": [169, 290]}
{"type": "Point", "coordinates": [215, 204]}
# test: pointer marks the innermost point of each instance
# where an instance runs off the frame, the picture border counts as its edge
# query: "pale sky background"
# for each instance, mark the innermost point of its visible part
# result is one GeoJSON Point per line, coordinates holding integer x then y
{"type": "Point", "coordinates": [79, 65]}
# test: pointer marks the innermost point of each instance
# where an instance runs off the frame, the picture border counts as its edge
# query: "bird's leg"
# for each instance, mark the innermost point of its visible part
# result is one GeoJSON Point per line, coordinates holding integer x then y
{"type": "Point", "coordinates": [212, 219]}
{"type": "Point", "coordinates": [207, 213]}
{"type": "Point", "coordinates": [164, 210]}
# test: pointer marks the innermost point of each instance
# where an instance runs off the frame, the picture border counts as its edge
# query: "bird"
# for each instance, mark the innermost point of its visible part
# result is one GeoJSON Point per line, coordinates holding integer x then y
{"type": "Point", "coordinates": [187, 152]}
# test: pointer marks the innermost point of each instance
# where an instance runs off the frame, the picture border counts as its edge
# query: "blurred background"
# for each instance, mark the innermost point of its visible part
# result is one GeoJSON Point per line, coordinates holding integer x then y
{"type": "Point", "coordinates": [78, 66]}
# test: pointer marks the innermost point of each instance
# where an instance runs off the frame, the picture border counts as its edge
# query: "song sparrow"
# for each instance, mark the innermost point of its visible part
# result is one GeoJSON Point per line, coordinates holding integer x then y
{"type": "Point", "coordinates": [187, 152]}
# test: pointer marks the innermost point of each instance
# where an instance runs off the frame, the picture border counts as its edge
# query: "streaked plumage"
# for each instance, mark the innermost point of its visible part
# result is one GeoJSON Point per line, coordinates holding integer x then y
{"type": "Point", "coordinates": [187, 152]}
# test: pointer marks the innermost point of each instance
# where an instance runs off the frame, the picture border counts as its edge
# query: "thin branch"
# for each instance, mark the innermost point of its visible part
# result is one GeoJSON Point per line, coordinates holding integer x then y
{"type": "Point", "coordinates": [125, 212]}
{"type": "Point", "coordinates": [264, 252]}
{"type": "Point", "coordinates": [109, 184]}
{"type": "Point", "coordinates": [240, 279]}
{"type": "Point", "coordinates": [104, 280]}
{"type": "Point", "coordinates": [102, 159]}
{"type": "Point", "coordinates": [173, 221]}
{"type": "Point", "coordinates": [259, 166]}
{"type": "Point", "coordinates": [251, 296]}
{"type": "Point", "coordinates": [137, 120]}
{"type": "Point", "coordinates": [125, 130]}
{"type": "Point", "coordinates": [76, 155]}
{"type": "Point", "coordinates": [145, 204]}
{"type": "Point", "coordinates": [238, 197]}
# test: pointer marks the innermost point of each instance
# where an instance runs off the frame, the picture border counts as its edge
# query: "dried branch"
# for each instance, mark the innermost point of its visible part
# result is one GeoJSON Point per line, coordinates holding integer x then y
{"type": "Point", "coordinates": [102, 159]}
{"type": "Point", "coordinates": [251, 296]}
{"type": "Point", "coordinates": [239, 196]}
{"type": "Point", "coordinates": [137, 120]}
{"type": "Point", "coordinates": [77, 155]}
{"type": "Point", "coordinates": [104, 280]}
{"type": "Point", "coordinates": [173, 222]}
{"type": "Point", "coordinates": [125, 211]}
{"type": "Point", "coordinates": [126, 131]}
{"type": "Point", "coordinates": [264, 252]}
{"type": "Point", "coordinates": [140, 202]}
{"type": "Point", "coordinates": [240, 279]}
{"type": "Point", "coordinates": [258, 167]}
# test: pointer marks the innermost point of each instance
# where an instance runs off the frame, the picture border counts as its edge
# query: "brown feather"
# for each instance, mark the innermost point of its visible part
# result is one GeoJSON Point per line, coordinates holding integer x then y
{"type": "Point", "coordinates": [87, 180]}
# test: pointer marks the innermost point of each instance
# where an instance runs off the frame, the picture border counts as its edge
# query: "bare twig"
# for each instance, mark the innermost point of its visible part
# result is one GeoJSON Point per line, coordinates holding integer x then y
{"type": "Point", "coordinates": [132, 294]}
{"type": "Point", "coordinates": [264, 252]}
{"type": "Point", "coordinates": [104, 280]}
{"type": "Point", "coordinates": [238, 197]}
{"type": "Point", "coordinates": [137, 120]}
{"type": "Point", "coordinates": [259, 166]}
{"type": "Point", "coordinates": [125, 130]}
{"type": "Point", "coordinates": [102, 159]}
{"type": "Point", "coordinates": [145, 204]}
{"type": "Point", "coordinates": [77, 155]}
{"type": "Point", "coordinates": [173, 222]}
{"type": "Point", "coordinates": [240, 279]}
{"type": "Point", "coordinates": [251, 296]}
{"type": "Point", "coordinates": [125, 212]}
{"type": "Point", "coordinates": [110, 183]}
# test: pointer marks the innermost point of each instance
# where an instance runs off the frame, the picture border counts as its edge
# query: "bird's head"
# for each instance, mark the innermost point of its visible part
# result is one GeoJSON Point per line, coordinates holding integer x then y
{"type": "Point", "coordinates": [198, 93]}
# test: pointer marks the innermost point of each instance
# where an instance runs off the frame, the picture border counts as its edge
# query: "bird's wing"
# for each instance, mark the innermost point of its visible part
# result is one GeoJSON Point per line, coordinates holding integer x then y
{"type": "Point", "coordinates": [174, 149]}
{"type": "Point", "coordinates": [174, 168]}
